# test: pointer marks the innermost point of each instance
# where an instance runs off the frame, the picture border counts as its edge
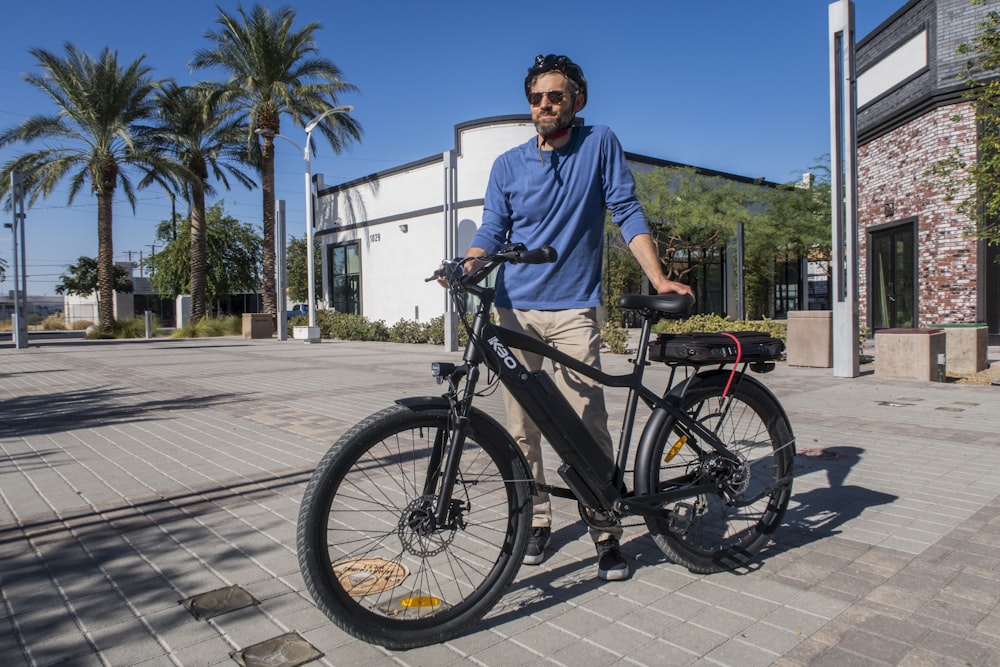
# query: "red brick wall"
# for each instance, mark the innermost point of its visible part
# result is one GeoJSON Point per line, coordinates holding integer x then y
{"type": "Point", "coordinates": [892, 169]}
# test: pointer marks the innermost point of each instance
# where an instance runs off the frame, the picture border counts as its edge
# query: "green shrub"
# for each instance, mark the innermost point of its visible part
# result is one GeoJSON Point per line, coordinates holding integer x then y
{"type": "Point", "coordinates": [408, 331]}
{"type": "Point", "coordinates": [131, 328]}
{"type": "Point", "coordinates": [435, 331]}
{"type": "Point", "coordinates": [710, 323]}
{"type": "Point", "coordinates": [614, 337]}
{"type": "Point", "coordinates": [348, 326]}
{"type": "Point", "coordinates": [211, 327]}
{"type": "Point", "coordinates": [54, 323]}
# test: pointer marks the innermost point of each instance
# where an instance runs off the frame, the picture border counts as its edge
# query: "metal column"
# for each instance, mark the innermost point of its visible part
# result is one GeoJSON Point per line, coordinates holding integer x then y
{"type": "Point", "coordinates": [450, 244]}
{"type": "Point", "coordinates": [20, 319]}
{"type": "Point", "coordinates": [843, 190]}
{"type": "Point", "coordinates": [280, 279]}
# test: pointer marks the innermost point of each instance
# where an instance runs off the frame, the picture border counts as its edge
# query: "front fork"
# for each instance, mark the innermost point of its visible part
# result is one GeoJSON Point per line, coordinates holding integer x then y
{"type": "Point", "coordinates": [445, 510]}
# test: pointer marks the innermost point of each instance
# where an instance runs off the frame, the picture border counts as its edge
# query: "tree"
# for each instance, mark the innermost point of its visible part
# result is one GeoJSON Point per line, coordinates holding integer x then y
{"type": "Point", "coordinates": [693, 216]}
{"type": "Point", "coordinates": [622, 274]}
{"type": "Point", "coordinates": [81, 279]}
{"type": "Point", "coordinates": [794, 221]}
{"type": "Point", "coordinates": [297, 268]}
{"type": "Point", "coordinates": [274, 70]}
{"type": "Point", "coordinates": [233, 257]}
{"type": "Point", "coordinates": [981, 201]}
{"type": "Point", "coordinates": [208, 137]}
{"type": "Point", "coordinates": [3, 269]}
{"type": "Point", "coordinates": [95, 140]}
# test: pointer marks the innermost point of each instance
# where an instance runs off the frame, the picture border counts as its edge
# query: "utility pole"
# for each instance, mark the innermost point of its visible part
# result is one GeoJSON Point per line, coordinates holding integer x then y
{"type": "Point", "coordinates": [20, 319]}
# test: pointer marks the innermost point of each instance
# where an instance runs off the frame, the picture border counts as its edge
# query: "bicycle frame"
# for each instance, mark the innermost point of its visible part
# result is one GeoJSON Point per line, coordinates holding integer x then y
{"type": "Point", "coordinates": [592, 477]}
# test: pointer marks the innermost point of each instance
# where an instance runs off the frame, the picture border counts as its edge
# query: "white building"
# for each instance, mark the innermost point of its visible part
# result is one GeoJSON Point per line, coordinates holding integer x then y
{"type": "Point", "coordinates": [382, 235]}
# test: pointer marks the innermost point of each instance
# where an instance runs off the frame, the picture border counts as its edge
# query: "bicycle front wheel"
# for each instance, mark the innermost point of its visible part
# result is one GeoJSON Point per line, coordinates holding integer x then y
{"type": "Point", "coordinates": [727, 527]}
{"type": "Point", "coordinates": [373, 556]}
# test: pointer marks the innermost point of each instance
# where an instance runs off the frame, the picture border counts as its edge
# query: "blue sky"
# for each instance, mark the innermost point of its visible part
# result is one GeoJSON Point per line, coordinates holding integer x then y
{"type": "Point", "coordinates": [731, 85]}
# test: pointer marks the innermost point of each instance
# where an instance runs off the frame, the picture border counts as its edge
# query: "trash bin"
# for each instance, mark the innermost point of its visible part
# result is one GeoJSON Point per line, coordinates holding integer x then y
{"type": "Point", "coordinates": [966, 346]}
{"type": "Point", "coordinates": [258, 325]}
{"type": "Point", "coordinates": [810, 338]}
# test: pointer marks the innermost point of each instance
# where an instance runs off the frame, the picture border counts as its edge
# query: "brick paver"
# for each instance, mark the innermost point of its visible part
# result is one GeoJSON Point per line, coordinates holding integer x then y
{"type": "Point", "coordinates": [136, 474]}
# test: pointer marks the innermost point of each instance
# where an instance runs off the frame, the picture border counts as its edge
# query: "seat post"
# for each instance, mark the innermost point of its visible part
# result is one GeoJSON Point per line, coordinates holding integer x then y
{"type": "Point", "coordinates": [649, 317]}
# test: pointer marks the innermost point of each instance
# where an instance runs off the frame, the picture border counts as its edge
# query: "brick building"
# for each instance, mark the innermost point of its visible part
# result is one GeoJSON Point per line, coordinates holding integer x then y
{"type": "Point", "coordinates": [921, 264]}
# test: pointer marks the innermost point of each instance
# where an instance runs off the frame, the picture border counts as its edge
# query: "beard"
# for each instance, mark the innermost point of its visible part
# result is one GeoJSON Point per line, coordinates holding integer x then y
{"type": "Point", "coordinates": [551, 124]}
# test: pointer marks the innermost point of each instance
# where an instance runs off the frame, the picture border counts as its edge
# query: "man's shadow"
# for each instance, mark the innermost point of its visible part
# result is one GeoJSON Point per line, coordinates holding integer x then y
{"type": "Point", "coordinates": [822, 511]}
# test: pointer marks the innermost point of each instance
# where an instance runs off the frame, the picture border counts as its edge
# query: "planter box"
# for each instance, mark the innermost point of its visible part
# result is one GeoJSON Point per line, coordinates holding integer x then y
{"type": "Point", "coordinates": [258, 325]}
{"type": "Point", "coordinates": [307, 334]}
{"type": "Point", "coordinates": [966, 346]}
{"type": "Point", "coordinates": [810, 338]}
{"type": "Point", "coordinates": [915, 354]}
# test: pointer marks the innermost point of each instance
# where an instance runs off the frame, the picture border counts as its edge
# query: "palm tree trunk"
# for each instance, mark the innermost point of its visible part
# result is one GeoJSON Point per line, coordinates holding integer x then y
{"type": "Point", "coordinates": [269, 297]}
{"type": "Point", "coordinates": [199, 252]}
{"type": "Point", "coordinates": [105, 264]}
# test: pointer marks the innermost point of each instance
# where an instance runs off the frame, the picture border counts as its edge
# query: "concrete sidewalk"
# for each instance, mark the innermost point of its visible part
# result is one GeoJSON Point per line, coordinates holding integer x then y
{"type": "Point", "coordinates": [138, 474]}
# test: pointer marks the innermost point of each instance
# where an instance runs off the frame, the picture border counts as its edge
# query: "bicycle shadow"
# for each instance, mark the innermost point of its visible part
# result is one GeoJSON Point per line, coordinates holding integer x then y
{"type": "Point", "coordinates": [821, 512]}
{"type": "Point", "coordinates": [537, 589]}
{"type": "Point", "coordinates": [814, 514]}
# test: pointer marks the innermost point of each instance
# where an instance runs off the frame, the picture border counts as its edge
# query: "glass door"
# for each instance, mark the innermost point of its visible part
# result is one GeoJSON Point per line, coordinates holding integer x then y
{"type": "Point", "coordinates": [345, 279]}
{"type": "Point", "coordinates": [892, 278]}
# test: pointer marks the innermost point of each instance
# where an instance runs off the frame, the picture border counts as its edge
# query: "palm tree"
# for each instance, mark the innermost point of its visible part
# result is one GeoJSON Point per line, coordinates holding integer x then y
{"type": "Point", "coordinates": [207, 136]}
{"type": "Point", "coordinates": [95, 139]}
{"type": "Point", "coordinates": [274, 70]}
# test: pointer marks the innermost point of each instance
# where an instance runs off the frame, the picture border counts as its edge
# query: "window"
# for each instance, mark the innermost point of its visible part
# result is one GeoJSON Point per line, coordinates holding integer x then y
{"type": "Point", "coordinates": [345, 278]}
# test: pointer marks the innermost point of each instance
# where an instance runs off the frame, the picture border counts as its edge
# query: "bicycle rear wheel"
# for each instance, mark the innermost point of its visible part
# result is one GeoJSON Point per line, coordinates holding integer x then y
{"type": "Point", "coordinates": [726, 528]}
{"type": "Point", "coordinates": [369, 549]}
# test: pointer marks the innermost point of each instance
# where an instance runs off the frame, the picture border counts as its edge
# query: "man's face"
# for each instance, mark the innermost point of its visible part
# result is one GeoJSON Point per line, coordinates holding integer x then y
{"type": "Point", "coordinates": [548, 117]}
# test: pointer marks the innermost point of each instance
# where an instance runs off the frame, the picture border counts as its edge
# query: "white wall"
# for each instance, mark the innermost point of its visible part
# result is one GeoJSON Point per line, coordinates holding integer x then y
{"type": "Point", "coordinates": [372, 211]}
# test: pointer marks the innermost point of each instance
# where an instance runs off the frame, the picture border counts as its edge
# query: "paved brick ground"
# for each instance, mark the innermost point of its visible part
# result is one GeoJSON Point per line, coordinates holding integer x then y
{"type": "Point", "coordinates": [137, 474]}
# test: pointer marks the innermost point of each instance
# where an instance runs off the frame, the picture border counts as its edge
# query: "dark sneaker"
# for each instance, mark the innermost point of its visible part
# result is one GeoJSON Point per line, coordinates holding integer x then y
{"type": "Point", "coordinates": [611, 564]}
{"type": "Point", "coordinates": [537, 541]}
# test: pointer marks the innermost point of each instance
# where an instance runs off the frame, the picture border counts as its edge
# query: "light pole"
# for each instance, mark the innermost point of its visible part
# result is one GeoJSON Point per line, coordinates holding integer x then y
{"type": "Point", "coordinates": [312, 334]}
{"type": "Point", "coordinates": [20, 319]}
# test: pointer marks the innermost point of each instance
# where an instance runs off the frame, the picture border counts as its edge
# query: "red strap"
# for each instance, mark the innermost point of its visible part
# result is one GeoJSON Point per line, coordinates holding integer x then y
{"type": "Point", "coordinates": [739, 355]}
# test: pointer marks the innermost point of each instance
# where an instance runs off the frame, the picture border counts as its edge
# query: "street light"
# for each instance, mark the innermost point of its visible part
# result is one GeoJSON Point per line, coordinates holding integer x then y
{"type": "Point", "coordinates": [312, 335]}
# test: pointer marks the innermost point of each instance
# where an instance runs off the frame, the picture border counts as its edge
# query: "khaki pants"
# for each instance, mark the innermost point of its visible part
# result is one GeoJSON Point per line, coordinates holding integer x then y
{"type": "Point", "coordinates": [574, 332]}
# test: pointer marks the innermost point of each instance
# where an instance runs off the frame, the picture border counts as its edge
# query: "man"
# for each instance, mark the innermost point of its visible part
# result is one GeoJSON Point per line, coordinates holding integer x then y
{"type": "Point", "coordinates": [554, 190]}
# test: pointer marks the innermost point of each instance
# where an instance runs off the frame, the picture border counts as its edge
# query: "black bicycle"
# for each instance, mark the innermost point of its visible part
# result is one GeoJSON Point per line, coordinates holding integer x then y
{"type": "Point", "coordinates": [416, 520]}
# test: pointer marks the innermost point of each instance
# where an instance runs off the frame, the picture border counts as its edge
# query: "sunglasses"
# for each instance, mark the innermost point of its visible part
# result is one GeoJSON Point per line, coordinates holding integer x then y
{"type": "Point", "coordinates": [555, 97]}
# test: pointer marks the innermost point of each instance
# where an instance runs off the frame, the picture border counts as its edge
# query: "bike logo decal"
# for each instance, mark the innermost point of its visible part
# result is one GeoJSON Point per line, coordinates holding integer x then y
{"type": "Point", "coordinates": [508, 359]}
{"type": "Point", "coordinates": [365, 576]}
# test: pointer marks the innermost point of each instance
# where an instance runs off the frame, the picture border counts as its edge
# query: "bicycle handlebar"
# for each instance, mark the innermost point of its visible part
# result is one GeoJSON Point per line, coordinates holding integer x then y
{"type": "Point", "coordinates": [513, 253]}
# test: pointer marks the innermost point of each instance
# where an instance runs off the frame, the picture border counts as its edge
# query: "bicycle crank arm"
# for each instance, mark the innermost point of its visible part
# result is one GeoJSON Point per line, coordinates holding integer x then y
{"type": "Point", "coordinates": [557, 491]}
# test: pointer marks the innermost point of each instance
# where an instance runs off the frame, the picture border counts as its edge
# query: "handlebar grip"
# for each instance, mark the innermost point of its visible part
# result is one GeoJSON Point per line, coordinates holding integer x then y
{"type": "Point", "coordinates": [541, 255]}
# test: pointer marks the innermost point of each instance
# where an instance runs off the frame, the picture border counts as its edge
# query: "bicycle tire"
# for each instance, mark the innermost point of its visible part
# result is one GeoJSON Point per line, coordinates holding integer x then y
{"type": "Point", "coordinates": [726, 529]}
{"type": "Point", "coordinates": [370, 570]}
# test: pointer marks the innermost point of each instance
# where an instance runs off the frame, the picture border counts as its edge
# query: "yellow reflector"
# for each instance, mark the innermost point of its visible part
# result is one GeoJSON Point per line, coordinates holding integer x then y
{"type": "Point", "coordinates": [676, 448]}
{"type": "Point", "coordinates": [420, 601]}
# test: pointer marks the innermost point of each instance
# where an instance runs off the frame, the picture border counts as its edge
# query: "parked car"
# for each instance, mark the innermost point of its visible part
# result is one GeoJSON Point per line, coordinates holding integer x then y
{"type": "Point", "coordinates": [298, 309]}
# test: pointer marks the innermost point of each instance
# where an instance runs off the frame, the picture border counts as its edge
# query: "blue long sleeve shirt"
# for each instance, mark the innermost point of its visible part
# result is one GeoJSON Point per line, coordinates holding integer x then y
{"type": "Point", "coordinates": [559, 198]}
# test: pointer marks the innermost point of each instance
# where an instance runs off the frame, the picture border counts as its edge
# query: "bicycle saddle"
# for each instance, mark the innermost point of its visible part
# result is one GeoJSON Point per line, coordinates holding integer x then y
{"type": "Point", "coordinates": [668, 304]}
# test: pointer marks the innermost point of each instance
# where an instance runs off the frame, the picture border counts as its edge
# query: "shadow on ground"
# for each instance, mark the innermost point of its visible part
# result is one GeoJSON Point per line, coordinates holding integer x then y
{"type": "Point", "coordinates": [58, 412]}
